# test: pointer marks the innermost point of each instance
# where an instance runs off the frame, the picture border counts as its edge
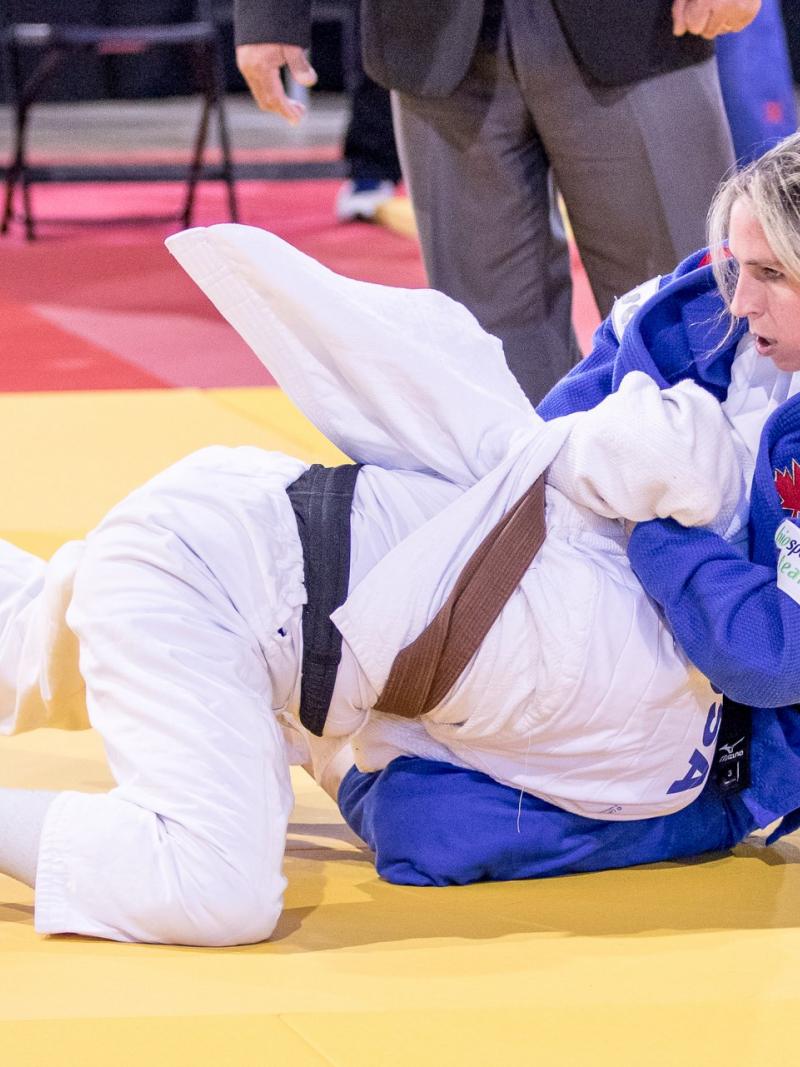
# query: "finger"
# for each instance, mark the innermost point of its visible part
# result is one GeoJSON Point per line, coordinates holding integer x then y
{"type": "Point", "coordinates": [267, 89]}
{"type": "Point", "coordinates": [698, 13]}
{"type": "Point", "coordinates": [260, 66]}
{"type": "Point", "coordinates": [727, 16]}
{"type": "Point", "coordinates": [740, 14]}
{"type": "Point", "coordinates": [299, 66]}
{"type": "Point", "coordinates": [679, 18]}
{"type": "Point", "coordinates": [277, 101]}
{"type": "Point", "coordinates": [715, 26]}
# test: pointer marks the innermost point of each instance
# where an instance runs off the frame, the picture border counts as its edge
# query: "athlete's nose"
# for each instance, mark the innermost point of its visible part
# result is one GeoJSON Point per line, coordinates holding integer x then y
{"type": "Point", "coordinates": [747, 299]}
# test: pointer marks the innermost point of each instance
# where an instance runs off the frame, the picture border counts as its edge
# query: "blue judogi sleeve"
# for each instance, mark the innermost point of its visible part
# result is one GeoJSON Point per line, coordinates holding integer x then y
{"type": "Point", "coordinates": [727, 613]}
{"type": "Point", "coordinates": [744, 633]}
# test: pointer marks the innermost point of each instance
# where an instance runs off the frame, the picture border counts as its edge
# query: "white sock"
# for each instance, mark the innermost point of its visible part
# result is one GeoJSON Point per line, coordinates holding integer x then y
{"type": "Point", "coordinates": [22, 814]}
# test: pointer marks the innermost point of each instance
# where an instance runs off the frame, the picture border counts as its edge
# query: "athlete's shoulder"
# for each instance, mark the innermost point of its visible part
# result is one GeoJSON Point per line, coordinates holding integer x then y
{"type": "Point", "coordinates": [692, 275]}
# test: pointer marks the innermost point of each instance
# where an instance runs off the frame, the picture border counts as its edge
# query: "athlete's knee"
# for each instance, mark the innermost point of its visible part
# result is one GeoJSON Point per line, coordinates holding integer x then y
{"type": "Point", "coordinates": [434, 824]}
{"type": "Point", "coordinates": [403, 822]}
{"type": "Point", "coordinates": [211, 899]}
{"type": "Point", "coordinates": [226, 914]}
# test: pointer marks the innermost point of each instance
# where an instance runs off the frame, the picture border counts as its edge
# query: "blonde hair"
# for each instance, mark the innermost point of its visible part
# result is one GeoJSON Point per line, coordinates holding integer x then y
{"type": "Point", "coordinates": [771, 186]}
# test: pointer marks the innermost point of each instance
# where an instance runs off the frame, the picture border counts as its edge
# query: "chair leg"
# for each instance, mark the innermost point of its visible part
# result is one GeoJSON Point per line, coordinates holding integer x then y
{"type": "Point", "coordinates": [227, 165]}
{"type": "Point", "coordinates": [27, 206]}
{"type": "Point", "coordinates": [225, 139]}
{"type": "Point", "coordinates": [205, 74]}
{"type": "Point", "coordinates": [18, 173]}
{"type": "Point", "coordinates": [8, 204]}
{"type": "Point", "coordinates": [24, 95]}
{"type": "Point", "coordinates": [17, 161]}
{"type": "Point", "coordinates": [196, 165]}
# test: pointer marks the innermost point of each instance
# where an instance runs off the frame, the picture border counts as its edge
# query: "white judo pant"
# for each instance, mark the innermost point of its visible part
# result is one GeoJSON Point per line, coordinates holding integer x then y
{"type": "Point", "coordinates": [185, 605]}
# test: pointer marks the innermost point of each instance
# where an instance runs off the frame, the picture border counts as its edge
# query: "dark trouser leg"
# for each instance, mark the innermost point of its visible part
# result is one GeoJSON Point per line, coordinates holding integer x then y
{"type": "Point", "coordinates": [369, 144]}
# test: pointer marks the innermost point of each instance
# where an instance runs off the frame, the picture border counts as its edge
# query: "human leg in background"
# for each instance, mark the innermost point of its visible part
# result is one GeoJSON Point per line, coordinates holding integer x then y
{"type": "Point", "coordinates": [370, 152]}
{"type": "Point", "coordinates": [369, 145]}
{"type": "Point", "coordinates": [183, 608]}
{"type": "Point", "coordinates": [757, 85]}
{"type": "Point", "coordinates": [637, 165]}
{"type": "Point", "coordinates": [478, 176]}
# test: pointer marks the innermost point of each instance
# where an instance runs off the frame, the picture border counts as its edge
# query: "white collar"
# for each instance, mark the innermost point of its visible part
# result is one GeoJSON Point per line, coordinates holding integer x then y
{"type": "Point", "coordinates": [757, 389]}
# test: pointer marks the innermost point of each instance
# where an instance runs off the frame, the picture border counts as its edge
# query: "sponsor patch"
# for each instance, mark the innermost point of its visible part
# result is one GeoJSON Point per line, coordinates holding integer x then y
{"type": "Point", "coordinates": [625, 307]}
{"type": "Point", "coordinates": [787, 540]}
{"type": "Point", "coordinates": [732, 760]}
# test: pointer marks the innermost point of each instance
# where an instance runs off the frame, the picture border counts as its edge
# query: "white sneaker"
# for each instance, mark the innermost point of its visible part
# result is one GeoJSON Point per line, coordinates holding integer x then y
{"type": "Point", "coordinates": [360, 199]}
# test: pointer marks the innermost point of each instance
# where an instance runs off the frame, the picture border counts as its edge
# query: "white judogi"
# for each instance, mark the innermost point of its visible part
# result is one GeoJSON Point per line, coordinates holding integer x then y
{"type": "Point", "coordinates": [177, 602]}
{"type": "Point", "coordinates": [578, 693]}
{"type": "Point", "coordinates": [186, 604]}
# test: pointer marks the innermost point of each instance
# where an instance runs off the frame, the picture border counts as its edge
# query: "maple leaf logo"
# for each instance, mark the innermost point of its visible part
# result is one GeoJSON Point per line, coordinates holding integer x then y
{"type": "Point", "coordinates": [788, 485]}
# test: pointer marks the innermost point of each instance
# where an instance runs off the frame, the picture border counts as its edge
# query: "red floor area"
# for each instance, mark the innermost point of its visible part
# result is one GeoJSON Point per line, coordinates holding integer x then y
{"type": "Point", "coordinates": [105, 307]}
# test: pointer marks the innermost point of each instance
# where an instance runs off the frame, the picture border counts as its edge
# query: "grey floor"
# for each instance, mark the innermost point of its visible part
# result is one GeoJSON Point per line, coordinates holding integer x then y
{"type": "Point", "coordinates": [68, 132]}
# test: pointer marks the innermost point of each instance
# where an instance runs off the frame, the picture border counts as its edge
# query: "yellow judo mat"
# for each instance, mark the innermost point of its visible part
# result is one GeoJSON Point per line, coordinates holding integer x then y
{"type": "Point", "coordinates": [671, 964]}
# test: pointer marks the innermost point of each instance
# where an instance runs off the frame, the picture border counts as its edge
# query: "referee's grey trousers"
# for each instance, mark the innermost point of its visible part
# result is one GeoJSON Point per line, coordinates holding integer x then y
{"type": "Point", "coordinates": [637, 167]}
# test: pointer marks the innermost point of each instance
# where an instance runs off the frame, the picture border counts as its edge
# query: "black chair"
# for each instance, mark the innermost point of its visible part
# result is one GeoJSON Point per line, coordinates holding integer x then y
{"type": "Point", "coordinates": [51, 43]}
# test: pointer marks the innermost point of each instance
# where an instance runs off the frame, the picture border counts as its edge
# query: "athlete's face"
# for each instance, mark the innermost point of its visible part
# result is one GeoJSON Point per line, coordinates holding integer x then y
{"type": "Point", "coordinates": [765, 294]}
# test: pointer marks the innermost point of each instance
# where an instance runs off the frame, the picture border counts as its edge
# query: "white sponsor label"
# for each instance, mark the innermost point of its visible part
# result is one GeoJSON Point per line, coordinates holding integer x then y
{"type": "Point", "coordinates": [787, 538]}
{"type": "Point", "coordinates": [625, 307]}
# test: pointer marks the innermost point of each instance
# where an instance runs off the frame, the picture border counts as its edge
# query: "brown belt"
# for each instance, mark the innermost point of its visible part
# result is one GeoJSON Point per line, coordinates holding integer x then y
{"type": "Point", "coordinates": [424, 671]}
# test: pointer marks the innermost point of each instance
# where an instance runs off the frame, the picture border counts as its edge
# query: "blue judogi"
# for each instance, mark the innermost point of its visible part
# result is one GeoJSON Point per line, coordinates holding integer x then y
{"type": "Point", "coordinates": [755, 76]}
{"type": "Point", "coordinates": [431, 823]}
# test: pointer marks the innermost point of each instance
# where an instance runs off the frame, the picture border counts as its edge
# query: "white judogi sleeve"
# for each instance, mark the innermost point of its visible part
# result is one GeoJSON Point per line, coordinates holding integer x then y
{"type": "Point", "coordinates": [403, 379]}
{"type": "Point", "coordinates": [407, 379]}
{"type": "Point", "coordinates": [646, 452]}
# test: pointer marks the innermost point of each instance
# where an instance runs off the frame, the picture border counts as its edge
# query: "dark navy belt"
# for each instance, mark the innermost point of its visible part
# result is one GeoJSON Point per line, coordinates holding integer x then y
{"type": "Point", "coordinates": [321, 499]}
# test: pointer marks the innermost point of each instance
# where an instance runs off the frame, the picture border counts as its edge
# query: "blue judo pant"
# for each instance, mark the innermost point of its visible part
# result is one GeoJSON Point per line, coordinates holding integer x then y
{"type": "Point", "coordinates": [430, 823]}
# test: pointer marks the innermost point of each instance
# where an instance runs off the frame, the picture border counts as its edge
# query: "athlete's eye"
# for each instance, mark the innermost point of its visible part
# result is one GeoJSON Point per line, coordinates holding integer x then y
{"type": "Point", "coordinates": [770, 274]}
